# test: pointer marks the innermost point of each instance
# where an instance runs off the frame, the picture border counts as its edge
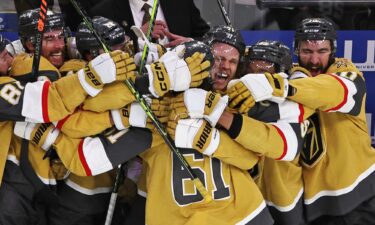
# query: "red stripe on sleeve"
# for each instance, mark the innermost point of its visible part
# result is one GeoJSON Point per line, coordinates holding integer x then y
{"type": "Point", "coordinates": [61, 122]}
{"type": "Point", "coordinates": [345, 94]}
{"type": "Point", "coordinates": [45, 89]}
{"type": "Point", "coordinates": [301, 113]}
{"type": "Point", "coordinates": [83, 159]}
{"type": "Point", "coordinates": [284, 140]}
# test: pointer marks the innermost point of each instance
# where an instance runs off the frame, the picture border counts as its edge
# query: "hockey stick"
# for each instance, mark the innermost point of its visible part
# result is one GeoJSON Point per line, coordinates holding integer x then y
{"type": "Point", "coordinates": [168, 140]}
{"type": "Point", "coordinates": [224, 12]}
{"type": "Point", "coordinates": [39, 38]}
{"type": "Point", "coordinates": [113, 199]}
{"type": "Point", "coordinates": [148, 35]}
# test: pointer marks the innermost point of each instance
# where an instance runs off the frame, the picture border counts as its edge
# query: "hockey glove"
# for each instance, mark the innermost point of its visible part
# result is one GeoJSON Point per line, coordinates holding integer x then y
{"type": "Point", "coordinates": [40, 134]}
{"type": "Point", "coordinates": [241, 98]}
{"type": "Point", "coordinates": [113, 96]}
{"type": "Point", "coordinates": [104, 69]}
{"type": "Point", "coordinates": [280, 85]}
{"type": "Point", "coordinates": [172, 72]}
{"type": "Point", "coordinates": [154, 52]}
{"type": "Point", "coordinates": [197, 134]}
{"type": "Point", "coordinates": [197, 104]}
{"type": "Point", "coordinates": [299, 72]}
{"type": "Point", "coordinates": [130, 115]}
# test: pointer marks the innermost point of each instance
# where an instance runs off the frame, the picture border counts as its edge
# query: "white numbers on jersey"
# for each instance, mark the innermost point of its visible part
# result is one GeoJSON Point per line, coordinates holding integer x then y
{"type": "Point", "coordinates": [11, 92]}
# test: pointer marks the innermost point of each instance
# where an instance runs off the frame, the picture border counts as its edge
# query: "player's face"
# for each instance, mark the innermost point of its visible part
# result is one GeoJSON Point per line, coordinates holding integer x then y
{"type": "Point", "coordinates": [5, 62]}
{"type": "Point", "coordinates": [53, 47]}
{"type": "Point", "coordinates": [314, 55]}
{"type": "Point", "coordinates": [260, 66]}
{"type": "Point", "coordinates": [226, 62]}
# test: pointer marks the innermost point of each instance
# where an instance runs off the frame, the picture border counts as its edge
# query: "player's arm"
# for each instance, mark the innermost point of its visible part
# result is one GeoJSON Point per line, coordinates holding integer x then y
{"type": "Point", "coordinates": [271, 129]}
{"type": "Point", "coordinates": [83, 123]}
{"type": "Point", "coordinates": [342, 89]}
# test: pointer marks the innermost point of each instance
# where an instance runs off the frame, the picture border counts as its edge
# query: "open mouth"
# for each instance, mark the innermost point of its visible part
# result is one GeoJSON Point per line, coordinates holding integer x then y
{"type": "Point", "coordinates": [222, 76]}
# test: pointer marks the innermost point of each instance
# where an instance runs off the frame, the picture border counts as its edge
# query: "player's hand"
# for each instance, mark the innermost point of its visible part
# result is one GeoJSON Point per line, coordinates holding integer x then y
{"type": "Point", "coordinates": [197, 104]}
{"type": "Point", "coordinates": [154, 52]}
{"type": "Point", "coordinates": [40, 134]}
{"type": "Point", "coordinates": [113, 96]}
{"type": "Point", "coordinates": [174, 73]}
{"type": "Point", "coordinates": [105, 69]}
{"type": "Point", "coordinates": [280, 85]}
{"type": "Point", "coordinates": [240, 98]}
{"type": "Point", "coordinates": [195, 133]}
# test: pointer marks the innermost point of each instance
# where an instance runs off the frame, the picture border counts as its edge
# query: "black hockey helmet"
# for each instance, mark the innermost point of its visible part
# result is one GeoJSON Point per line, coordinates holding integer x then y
{"type": "Point", "coordinates": [316, 29]}
{"type": "Point", "coordinates": [271, 51]}
{"type": "Point", "coordinates": [3, 43]}
{"type": "Point", "coordinates": [225, 34]}
{"type": "Point", "coordinates": [28, 20]}
{"type": "Point", "coordinates": [111, 32]}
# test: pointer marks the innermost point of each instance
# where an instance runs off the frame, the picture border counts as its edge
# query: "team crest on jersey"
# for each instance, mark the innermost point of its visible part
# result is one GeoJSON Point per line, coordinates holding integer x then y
{"type": "Point", "coordinates": [313, 147]}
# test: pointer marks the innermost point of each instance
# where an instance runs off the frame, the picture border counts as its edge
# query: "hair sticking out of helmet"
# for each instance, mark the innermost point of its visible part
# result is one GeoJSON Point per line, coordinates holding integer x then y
{"type": "Point", "coordinates": [28, 20]}
{"type": "Point", "coordinates": [316, 29]}
{"type": "Point", "coordinates": [111, 32]}
{"type": "Point", "coordinates": [271, 51]}
{"type": "Point", "coordinates": [225, 34]}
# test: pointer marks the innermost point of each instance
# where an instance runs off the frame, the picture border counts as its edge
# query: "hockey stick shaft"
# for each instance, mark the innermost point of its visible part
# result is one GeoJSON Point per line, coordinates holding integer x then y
{"type": "Point", "coordinates": [39, 37]}
{"type": "Point", "coordinates": [129, 83]}
{"type": "Point", "coordinates": [151, 24]}
{"type": "Point", "coordinates": [224, 12]}
{"type": "Point", "coordinates": [113, 199]}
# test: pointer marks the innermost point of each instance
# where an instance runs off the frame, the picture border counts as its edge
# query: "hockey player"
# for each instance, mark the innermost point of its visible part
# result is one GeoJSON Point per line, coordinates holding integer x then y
{"type": "Point", "coordinates": [337, 166]}
{"type": "Point", "coordinates": [280, 181]}
{"type": "Point", "coordinates": [5, 58]}
{"type": "Point", "coordinates": [212, 147]}
{"type": "Point", "coordinates": [337, 134]}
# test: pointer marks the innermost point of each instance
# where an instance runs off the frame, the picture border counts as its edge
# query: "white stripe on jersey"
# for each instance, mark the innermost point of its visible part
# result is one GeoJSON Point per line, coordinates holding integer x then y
{"type": "Point", "coordinates": [32, 102]}
{"type": "Point", "coordinates": [290, 138]}
{"type": "Point", "coordinates": [288, 207]}
{"type": "Point", "coordinates": [95, 156]}
{"type": "Point", "coordinates": [343, 190]}
{"type": "Point", "coordinates": [80, 189]}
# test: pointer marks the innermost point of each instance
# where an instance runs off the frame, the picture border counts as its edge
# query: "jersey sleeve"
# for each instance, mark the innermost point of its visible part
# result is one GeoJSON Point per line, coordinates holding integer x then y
{"type": "Point", "coordinates": [341, 89]}
{"type": "Point", "coordinates": [44, 101]}
{"type": "Point", "coordinates": [95, 155]}
{"type": "Point", "coordinates": [83, 123]}
{"type": "Point", "coordinates": [234, 154]}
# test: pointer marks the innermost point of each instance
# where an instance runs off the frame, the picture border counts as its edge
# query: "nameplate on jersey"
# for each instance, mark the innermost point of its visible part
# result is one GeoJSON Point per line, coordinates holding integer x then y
{"type": "Point", "coordinates": [313, 148]}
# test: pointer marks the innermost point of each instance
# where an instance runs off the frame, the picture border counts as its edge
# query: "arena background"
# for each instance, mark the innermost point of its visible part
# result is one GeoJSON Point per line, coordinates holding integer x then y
{"type": "Point", "coordinates": [259, 22]}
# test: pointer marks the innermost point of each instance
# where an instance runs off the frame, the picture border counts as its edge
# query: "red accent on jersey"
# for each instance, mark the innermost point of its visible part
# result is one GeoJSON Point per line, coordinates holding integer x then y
{"type": "Point", "coordinates": [345, 94]}
{"type": "Point", "coordinates": [46, 86]}
{"type": "Point", "coordinates": [61, 122]}
{"type": "Point", "coordinates": [82, 158]}
{"type": "Point", "coordinates": [301, 113]}
{"type": "Point", "coordinates": [285, 143]}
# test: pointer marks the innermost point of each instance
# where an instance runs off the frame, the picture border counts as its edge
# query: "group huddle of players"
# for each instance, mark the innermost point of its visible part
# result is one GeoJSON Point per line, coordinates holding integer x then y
{"type": "Point", "coordinates": [271, 142]}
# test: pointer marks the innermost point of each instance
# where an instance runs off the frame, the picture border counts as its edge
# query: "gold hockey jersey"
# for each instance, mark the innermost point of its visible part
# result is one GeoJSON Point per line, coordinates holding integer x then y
{"type": "Point", "coordinates": [172, 196]}
{"type": "Point", "coordinates": [338, 160]}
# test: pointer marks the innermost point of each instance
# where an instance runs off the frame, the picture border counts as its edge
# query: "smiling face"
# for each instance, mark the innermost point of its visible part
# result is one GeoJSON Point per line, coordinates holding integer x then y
{"type": "Point", "coordinates": [314, 55]}
{"type": "Point", "coordinates": [226, 62]}
{"type": "Point", "coordinates": [53, 47]}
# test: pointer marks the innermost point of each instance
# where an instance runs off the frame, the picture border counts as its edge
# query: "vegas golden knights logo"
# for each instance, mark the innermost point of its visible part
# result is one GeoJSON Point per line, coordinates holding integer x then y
{"type": "Point", "coordinates": [313, 146]}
